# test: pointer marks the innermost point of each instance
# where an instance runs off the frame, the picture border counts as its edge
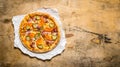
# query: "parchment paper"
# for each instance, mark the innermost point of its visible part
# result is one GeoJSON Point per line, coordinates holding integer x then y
{"type": "Point", "coordinates": [44, 56]}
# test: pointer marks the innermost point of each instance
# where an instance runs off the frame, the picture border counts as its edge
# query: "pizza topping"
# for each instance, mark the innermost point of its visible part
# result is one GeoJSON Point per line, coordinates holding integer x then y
{"type": "Point", "coordinates": [43, 33]}
{"type": "Point", "coordinates": [22, 30]}
{"type": "Point", "coordinates": [29, 20]}
{"type": "Point", "coordinates": [54, 37]}
{"type": "Point", "coordinates": [37, 21]}
{"type": "Point", "coordinates": [54, 30]}
{"type": "Point", "coordinates": [50, 36]}
{"type": "Point", "coordinates": [51, 25]}
{"type": "Point", "coordinates": [35, 25]}
{"type": "Point", "coordinates": [37, 17]}
{"type": "Point", "coordinates": [40, 46]}
{"type": "Point", "coordinates": [27, 38]}
{"type": "Point", "coordinates": [37, 35]}
{"type": "Point", "coordinates": [31, 34]}
{"type": "Point", "coordinates": [54, 33]}
{"type": "Point", "coordinates": [44, 19]}
{"type": "Point", "coordinates": [39, 28]}
{"type": "Point", "coordinates": [33, 39]}
{"type": "Point", "coordinates": [27, 33]}
{"type": "Point", "coordinates": [32, 45]}
{"type": "Point", "coordinates": [49, 20]}
{"type": "Point", "coordinates": [47, 35]}
{"type": "Point", "coordinates": [28, 28]}
{"type": "Point", "coordinates": [40, 23]}
{"type": "Point", "coordinates": [49, 42]}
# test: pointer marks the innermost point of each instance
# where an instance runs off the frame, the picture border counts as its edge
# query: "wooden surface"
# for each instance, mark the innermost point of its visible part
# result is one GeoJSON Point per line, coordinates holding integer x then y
{"type": "Point", "coordinates": [92, 30]}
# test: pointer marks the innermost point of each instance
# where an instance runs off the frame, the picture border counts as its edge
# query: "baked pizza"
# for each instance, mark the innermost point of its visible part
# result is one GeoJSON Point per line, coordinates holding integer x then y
{"type": "Point", "coordinates": [39, 32]}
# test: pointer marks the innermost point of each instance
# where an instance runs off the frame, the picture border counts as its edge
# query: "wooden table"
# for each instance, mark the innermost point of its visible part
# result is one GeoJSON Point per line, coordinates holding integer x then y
{"type": "Point", "coordinates": [92, 30]}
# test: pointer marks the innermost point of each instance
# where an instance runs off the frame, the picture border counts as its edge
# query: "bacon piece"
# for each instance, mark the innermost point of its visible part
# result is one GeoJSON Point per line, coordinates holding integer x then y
{"type": "Point", "coordinates": [32, 45]}
{"type": "Point", "coordinates": [55, 30]}
{"type": "Point", "coordinates": [29, 20]}
{"type": "Point", "coordinates": [49, 42]}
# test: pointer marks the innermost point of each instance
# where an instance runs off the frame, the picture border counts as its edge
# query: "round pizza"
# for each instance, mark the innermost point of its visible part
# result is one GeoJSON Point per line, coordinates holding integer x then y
{"type": "Point", "coordinates": [39, 32]}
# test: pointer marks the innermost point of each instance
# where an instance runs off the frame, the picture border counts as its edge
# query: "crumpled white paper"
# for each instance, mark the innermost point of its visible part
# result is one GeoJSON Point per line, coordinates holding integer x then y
{"type": "Point", "coordinates": [44, 56]}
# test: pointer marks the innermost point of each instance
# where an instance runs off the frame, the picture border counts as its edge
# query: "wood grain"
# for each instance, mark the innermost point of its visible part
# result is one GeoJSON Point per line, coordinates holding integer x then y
{"type": "Point", "coordinates": [98, 16]}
